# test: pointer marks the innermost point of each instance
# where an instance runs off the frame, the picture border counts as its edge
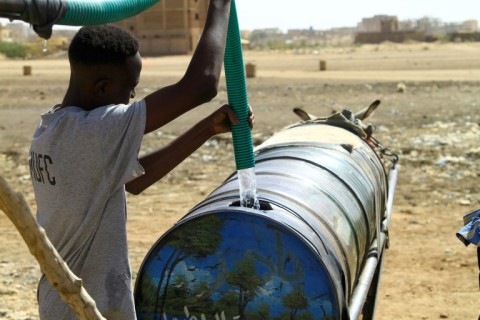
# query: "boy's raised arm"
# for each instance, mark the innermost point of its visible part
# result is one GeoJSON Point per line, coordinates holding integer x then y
{"type": "Point", "coordinates": [200, 82]}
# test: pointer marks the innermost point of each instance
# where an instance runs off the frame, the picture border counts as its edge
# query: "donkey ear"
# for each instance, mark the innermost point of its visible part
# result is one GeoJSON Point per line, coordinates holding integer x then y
{"type": "Point", "coordinates": [305, 116]}
{"type": "Point", "coordinates": [367, 112]}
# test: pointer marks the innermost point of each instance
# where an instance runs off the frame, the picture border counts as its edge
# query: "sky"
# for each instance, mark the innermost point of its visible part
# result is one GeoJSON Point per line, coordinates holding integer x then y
{"type": "Point", "coordinates": [322, 15]}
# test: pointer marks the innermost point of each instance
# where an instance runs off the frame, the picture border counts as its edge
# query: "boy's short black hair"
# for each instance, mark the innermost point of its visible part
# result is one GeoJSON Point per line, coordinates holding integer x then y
{"type": "Point", "coordinates": [103, 44]}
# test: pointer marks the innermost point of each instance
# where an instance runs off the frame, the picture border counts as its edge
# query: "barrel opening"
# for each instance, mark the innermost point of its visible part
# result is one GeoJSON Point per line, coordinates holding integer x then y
{"type": "Point", "coordinates": [264, 205]}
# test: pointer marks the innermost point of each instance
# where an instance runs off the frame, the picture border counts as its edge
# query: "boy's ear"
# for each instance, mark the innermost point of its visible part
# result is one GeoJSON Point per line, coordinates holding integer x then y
{"type": "Point", "coordinates": [100, 87]}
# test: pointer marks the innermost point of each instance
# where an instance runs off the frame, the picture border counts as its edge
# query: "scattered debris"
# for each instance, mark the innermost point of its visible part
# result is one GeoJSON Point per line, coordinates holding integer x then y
{"type": "Point", "coordinates": [401, 87]}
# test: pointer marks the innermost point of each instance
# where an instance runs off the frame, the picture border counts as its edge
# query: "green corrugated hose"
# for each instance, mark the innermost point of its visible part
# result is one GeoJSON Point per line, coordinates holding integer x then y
{"type": "Point", "coordinates": [84, 12]}
{"type": "Point", "coordinates": [237, 94]}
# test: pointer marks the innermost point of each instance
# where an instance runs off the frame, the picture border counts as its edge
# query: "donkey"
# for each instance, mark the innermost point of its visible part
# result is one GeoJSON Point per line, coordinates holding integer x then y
{"type": "Point", "coordinates": [345, 119]}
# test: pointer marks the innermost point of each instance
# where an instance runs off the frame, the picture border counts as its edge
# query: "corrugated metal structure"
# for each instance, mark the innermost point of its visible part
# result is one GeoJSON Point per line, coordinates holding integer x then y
{"type": "Point", "coordinates": [169, 27]}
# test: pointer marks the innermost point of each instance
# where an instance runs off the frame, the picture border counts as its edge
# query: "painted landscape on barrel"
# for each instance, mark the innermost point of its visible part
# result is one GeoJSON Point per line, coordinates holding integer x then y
{"type": "Point", "coordinates": [233, 266]}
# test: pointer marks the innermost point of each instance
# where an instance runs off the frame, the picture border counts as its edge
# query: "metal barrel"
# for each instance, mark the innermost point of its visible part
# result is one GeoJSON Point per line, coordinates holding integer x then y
{"type": "Point", "coordinates": [322, 191]}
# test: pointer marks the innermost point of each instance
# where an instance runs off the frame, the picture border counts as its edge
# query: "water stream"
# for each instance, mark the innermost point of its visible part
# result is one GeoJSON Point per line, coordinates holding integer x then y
{"type": "Point", "coordinates": [248, 188]}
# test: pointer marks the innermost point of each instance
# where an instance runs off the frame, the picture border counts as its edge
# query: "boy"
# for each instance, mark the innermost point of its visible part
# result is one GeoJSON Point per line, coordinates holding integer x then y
{"type": "Point", "coordinates": [84, 154]}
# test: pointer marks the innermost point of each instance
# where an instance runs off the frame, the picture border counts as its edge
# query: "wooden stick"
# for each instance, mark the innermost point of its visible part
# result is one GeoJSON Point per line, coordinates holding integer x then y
{"type": "Point", "coordinates": [56, 270]}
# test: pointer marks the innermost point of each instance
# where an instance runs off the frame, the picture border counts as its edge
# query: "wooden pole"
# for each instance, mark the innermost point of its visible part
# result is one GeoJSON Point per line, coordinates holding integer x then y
{"type": "Point", "coordinates": [56, 270]}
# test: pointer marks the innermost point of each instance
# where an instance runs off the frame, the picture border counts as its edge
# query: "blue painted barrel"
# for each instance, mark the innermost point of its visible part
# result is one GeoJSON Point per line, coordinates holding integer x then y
{"type": "Point", "coordinates": [322, 190]}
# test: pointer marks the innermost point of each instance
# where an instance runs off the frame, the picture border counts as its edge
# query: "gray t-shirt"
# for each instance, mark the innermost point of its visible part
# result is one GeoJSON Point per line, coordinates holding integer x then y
{"type": "Point", "coordinates": [79, 163]}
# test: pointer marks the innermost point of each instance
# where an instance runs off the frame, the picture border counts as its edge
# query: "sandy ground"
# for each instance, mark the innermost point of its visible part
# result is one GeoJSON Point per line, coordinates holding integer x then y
{"type": "Point", "coordinates": [433, 123]}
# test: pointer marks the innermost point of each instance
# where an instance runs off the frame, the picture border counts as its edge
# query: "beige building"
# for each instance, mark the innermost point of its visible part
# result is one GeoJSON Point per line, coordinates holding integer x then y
{"type": "Point", "coordinates": [470, 25]}
{"type": "Point", "coordinates": [5, 34]}
{"type": "Point", "coordinates": [169, 27]}
{"type": "Point", "coordinates": [378, 23]}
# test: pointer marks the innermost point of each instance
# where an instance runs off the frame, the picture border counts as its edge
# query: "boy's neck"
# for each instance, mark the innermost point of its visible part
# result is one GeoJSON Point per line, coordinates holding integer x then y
{"type": "Point", "coordinates": [73, 97]}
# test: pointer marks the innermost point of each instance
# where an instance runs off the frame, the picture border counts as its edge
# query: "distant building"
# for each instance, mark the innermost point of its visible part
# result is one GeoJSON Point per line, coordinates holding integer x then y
{"type": "Point", "coordinates": [5, 34]}
{"type": "Point", "coordinates": [169, 27]}
{"type": "Point", "coordinates": [385, 28]}
{"type": "Point", "coordinates": [389, 25]}
{"type": "Point", "coordinates": [21, 32]}
{"type": "Point", "coordinates": [270, 31]}
{"type": "Point", "coordinates": [300, 32]}
{"type": "Point", "coordinates": [377, 23]}
{"type": "Point", "coordinates": [428, 25]}
{"type": "Point", "coordinates": [263, 36]}
{"type": "Point", "coordinates": [18, 31]}
{"type": "Point", "coordinates": [470, 25]}
{"type": "Point", "coordinates": [465, 31]}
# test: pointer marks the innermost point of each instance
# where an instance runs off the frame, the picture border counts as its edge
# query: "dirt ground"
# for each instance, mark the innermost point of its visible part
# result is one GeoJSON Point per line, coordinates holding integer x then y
{"type": "Point", "coordinates": [429, 115]}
